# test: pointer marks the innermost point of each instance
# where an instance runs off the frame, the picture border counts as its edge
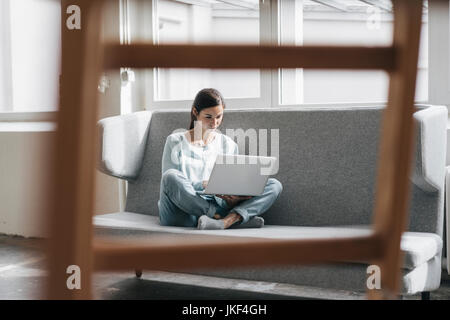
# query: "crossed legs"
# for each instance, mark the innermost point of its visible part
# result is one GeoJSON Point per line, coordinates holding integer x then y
{"type": "Point", "coordinates": [180, 205]}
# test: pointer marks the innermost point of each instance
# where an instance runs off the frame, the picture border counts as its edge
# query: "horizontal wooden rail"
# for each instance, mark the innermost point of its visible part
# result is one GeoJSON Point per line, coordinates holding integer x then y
{"type": "Point", "coordinates": [177, 253]}
{"type": "Point", "coordinates": [247, 57]}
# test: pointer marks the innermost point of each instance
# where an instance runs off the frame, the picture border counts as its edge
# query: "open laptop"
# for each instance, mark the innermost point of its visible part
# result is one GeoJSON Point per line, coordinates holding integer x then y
{"type": "Point", "coordinates": [240, 175]}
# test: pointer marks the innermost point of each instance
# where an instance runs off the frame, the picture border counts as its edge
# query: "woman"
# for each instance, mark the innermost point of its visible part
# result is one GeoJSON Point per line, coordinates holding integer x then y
{"type": "Point", "coordinates": [188, 159]}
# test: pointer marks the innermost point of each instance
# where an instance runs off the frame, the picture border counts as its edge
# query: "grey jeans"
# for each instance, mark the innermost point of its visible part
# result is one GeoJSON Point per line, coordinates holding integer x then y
{"type": "Point", "coordinates": [180, 205]}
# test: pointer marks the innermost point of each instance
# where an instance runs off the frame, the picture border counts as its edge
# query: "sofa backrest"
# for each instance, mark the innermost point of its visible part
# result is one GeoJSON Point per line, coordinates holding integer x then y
{"type": "Point", "coordinates": [327, 165]}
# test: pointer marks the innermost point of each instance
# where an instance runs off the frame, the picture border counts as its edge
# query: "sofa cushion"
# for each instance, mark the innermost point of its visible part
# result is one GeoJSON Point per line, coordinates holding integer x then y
{"type": "Point", "coordinates": [417, 247]}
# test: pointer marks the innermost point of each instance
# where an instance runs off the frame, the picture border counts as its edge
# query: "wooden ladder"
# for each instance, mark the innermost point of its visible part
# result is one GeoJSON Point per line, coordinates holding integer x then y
{"type": "Point", "coordinates": [83, 60]}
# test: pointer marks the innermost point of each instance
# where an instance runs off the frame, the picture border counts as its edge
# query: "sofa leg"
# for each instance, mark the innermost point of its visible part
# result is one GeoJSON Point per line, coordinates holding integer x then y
{"type": "Point", "coordinates": [138, 273]}
{"type": "Point", "coordinates": [425, 295]}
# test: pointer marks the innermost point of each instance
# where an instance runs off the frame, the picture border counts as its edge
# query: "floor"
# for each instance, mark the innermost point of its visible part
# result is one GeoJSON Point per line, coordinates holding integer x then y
{"type": "Point", "coordinates": [22, 277]}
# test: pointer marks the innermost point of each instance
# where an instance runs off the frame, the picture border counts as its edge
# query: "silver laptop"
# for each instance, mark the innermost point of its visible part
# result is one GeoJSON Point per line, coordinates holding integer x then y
{"type": "Point", "coordinates": [240, 175]}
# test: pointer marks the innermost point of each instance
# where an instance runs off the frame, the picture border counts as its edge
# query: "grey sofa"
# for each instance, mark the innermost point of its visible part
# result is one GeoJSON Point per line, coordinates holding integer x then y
{"type": "Point", "coordinates": [327, 165]}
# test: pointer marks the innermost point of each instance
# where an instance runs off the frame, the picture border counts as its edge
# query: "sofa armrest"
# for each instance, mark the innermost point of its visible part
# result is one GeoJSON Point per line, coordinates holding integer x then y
{"type": "Point", "coordinates": [122, 143]}
{"type": "Point", "coordinates": [430, 154]}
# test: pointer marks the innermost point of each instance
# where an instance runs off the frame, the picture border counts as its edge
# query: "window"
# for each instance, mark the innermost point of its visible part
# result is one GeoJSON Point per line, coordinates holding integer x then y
{"type": "Point", "coordinates": [198, 22]}
{"type": "Point", "coordinates": [216, 22]}
{"type": "Point", "coordinates": [29, 55]}
{"type": "Point", "coordinates": [342, 22]}
{"type": "Point", "coordinates": [207, 22]}
{"type": "Point", "coordinates": [286, 22]}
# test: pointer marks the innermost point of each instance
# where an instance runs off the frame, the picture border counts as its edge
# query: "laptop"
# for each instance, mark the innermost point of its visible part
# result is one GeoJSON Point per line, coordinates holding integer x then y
{"type": "Point", "coordinates": [240, 175]}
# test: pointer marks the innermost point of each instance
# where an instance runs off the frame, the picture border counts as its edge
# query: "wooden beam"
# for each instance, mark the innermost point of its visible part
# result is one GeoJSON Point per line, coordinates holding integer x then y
{"type": "Point", "coordinates": [247, 57]}
{"type": "Point", "coordinates": [179, 253]}
{"type": "Point", "coordinates": [396, 146]}
{"type": "Point", "coordinates": [73, 190]}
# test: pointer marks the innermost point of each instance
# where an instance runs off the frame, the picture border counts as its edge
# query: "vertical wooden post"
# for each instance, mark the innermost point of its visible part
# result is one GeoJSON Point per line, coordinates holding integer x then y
{"type": "Point", "coordinates": [396, 147]}
{"type": "Point", "coordinates": [70, 240]}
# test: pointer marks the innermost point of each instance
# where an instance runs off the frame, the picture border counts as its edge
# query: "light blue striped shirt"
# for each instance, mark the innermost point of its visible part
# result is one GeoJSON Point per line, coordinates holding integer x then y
{"type": "Point", "coordinates": [196, 162]}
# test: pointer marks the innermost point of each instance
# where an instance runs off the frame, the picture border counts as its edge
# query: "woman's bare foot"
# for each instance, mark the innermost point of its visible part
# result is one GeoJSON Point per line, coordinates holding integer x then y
{"type": "Point", "coordinates": [231, 219]}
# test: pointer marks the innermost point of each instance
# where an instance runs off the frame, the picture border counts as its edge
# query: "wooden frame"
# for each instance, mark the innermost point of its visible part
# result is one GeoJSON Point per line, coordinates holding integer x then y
{"type": "Point", "coordinates": [250, 57]}
{"type": "Point", "coordinates": [71, 240]}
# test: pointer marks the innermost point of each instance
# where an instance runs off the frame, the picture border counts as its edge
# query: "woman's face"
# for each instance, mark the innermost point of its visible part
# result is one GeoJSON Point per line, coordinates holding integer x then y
{"type": "Point", "coordinates": [211, 117]}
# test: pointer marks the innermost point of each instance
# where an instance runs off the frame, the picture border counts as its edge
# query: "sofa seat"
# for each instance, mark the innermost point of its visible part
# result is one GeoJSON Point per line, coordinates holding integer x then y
{"type": "Point", "coordinates": [418, 248]}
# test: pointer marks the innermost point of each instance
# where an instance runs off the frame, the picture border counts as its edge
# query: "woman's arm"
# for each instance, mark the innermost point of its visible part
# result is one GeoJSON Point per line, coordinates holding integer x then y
{"type": "Point", "coordinates": [171, 155]}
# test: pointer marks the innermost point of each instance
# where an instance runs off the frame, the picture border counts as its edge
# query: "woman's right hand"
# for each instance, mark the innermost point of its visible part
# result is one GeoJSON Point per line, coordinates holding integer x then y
{"type": "Point", "coordinates": [233, 201]}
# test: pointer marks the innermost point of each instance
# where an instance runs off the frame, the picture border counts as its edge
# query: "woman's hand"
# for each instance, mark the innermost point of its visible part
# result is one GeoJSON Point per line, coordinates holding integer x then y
{"type": "Point", "coordinates": [233, 201]}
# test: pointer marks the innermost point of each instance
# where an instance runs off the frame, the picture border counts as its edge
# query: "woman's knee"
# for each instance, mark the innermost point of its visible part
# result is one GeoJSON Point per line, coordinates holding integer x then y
{"type": "Point", "coordinates": [170, 177]}
{"type": "Point", "coordinates": [275, 186]}
{"type": "Point", "coordinates": [175, 219]}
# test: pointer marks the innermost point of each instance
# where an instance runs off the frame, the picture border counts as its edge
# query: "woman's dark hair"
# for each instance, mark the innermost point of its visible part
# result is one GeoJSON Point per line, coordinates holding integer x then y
{"type": "Point", "coordinates": [206, 98]}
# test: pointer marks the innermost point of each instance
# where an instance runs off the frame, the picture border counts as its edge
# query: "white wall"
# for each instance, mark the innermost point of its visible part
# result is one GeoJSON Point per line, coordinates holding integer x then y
{"type": "Point", "coordinates": [25, 148]}
{"type": "Point", "coordinates": [30, 43]}
{"type": "Point", "coordinates": [24, 171]}
{"type": "Point", "coordinates": [25, 168]}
